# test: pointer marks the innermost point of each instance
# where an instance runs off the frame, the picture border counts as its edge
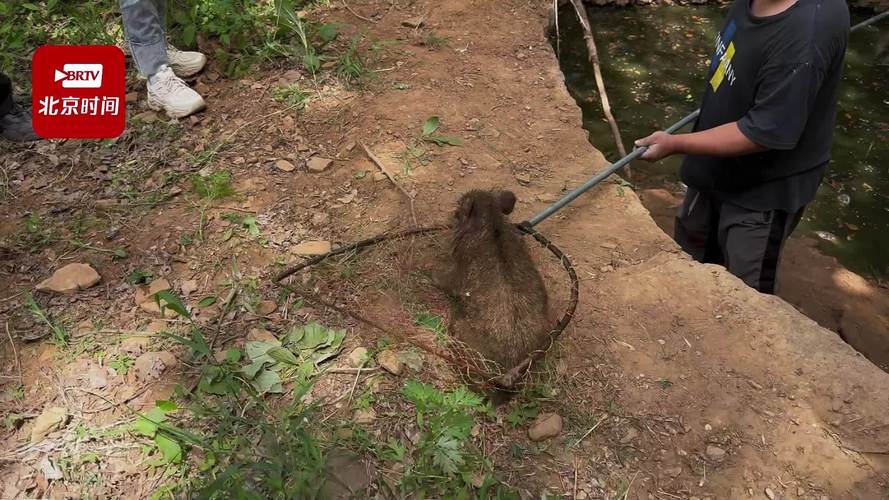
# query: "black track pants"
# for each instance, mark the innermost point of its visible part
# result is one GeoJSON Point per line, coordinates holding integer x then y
{"type": "Point", "coordinates": [5, 95]}
{"type": "Point", "coordinates": [747, 242]}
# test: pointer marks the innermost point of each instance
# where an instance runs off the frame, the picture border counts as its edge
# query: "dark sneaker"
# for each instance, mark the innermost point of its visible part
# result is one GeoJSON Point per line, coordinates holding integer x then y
{"type": "Point", "coordinates": [16, 125]}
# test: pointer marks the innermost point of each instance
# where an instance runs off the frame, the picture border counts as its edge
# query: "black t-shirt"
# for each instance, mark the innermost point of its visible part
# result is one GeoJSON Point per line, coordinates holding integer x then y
{"type": "Point", "coordinates": [777, 76]}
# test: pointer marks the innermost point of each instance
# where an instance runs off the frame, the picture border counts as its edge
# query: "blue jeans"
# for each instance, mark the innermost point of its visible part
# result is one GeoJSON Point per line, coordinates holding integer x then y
{"type": "Point", "coordinates": [144, 26]}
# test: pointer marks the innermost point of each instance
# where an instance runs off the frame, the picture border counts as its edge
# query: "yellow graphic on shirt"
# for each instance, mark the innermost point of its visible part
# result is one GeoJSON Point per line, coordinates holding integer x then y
{"type": "Point", "coordinates": [725, 68]}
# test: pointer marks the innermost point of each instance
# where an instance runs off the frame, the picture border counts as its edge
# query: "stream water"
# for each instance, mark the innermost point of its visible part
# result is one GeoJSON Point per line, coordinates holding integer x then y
{"type": "Point", "coordinates": [654, 61]}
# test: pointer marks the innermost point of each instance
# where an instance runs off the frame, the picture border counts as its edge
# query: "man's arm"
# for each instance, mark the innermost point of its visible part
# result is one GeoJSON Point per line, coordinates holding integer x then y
{"type": "Point", "coordinates": [722, 141]}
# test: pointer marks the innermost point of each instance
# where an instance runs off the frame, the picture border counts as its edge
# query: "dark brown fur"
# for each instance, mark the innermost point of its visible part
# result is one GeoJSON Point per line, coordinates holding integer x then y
{"type": "Point", "coordinates": [499, 300]}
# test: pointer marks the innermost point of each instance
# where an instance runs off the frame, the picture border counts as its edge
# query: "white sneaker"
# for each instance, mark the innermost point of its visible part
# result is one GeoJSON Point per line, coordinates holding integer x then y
{"type": "Point", "coordinates": [185, 63]}
{"type": "Point", "coordinates": [168, 92]}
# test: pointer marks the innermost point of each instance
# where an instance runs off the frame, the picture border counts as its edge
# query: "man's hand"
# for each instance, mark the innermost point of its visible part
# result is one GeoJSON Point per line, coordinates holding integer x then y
{"type": "Point", "coordinates": [660, 145]}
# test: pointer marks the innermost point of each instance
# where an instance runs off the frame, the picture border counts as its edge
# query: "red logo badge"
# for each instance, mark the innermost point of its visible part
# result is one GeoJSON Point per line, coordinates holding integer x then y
{"type": "Point", "coordinates": [78, 91]}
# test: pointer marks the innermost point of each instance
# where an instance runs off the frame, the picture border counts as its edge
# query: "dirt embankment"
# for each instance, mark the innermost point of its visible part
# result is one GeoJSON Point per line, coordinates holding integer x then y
{"type": "Point", "coordinates": [674, 380]}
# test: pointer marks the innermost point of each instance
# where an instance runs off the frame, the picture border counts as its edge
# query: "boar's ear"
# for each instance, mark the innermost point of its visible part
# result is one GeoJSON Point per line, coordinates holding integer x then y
{"type": "Point", "coordinates": [465, 209]}
{"type": "Point", "coordinates": [506, 201]}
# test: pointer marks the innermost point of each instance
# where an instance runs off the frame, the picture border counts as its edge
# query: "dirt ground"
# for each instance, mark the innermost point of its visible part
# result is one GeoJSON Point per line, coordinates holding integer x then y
{"type": "Point", "coordinates": [674, 380]}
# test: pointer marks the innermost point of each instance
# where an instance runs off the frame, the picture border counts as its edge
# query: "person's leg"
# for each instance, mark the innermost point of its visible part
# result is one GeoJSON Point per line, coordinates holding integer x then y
{"type": "Point", "coordinates": [5, 95]}
{"type": "Point", "coordinates": [144, 26]}
{"type": "Point", "coordinates": [696, 227]}
{"type": "Point", "coordinates": [15, 120]}
{"type": "Point", "coordinates": [144, 29]}
{"type": "Point", "coordinates": [752, 242]}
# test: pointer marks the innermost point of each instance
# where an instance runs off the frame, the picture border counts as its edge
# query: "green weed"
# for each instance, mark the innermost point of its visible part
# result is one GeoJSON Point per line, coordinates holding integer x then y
{"type": "Point", "coordinates": [351, 65]}
{"type": "Point", "coordinates": [34, 233]}
{"type": "Point", "coordinates": [292, 95]}
{"type": "Point", "coordinates": [434, 41]}
{"type": "Point", "coordinates": [59, 333]}
{"type": "Point", "coordinates": [121, 364]}
{"type": "Point", "coordinates": [443, 460]}
{"type": "Point", "coordinates": [215, 186]}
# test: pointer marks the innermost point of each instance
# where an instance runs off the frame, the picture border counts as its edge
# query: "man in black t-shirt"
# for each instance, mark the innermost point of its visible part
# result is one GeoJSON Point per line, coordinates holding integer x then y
{"type": "Point", "coordinates": [760, 147]}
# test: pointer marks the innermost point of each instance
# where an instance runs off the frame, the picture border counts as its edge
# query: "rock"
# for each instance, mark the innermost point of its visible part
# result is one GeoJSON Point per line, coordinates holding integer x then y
{"type": "Point", "coordinates": [389, 361]}
{"type": "Point", "coordinates": [291, 76]}
{"type": "Point", "coordinates": [145, 296]}
{"type": "Point", "coordinates": [96, 377]}
{"type": "Point", "coordinates": [357, 357]}
{"type": "Point", "coordinates": [523, 178]}
{"type": "Point", "coordinates": [156, 326]}
{"type": "Point", "coordinates": [318, 163]}
{"type": "Point", "coordinates": [379, 176]}
{"type": "Point", "coordinates": [50, 420]}
{"type": "Point", "coordinates": [266, 307]}
{"type": "Point", "coordinates": [132, 97]}
{"type": "Point", "coordinates": [146, 117]}
{"type": "Point", "coordinates": [547, 425]}
{"type": "Point", "coordinates": [769, 493]}
{"type": "Point", "coordinates": [365, 417]}
{"type": "Point", "coordinates": [151, 365]}
{"type": "Point", "coordinates": [49, 470]}
{"type": "Point", "coordinates": [83, 328]}
{"type": "Point", "coordinates": [285, 166]}
{"type": "Point", "coordinates": [346, 474]}
{"type": "Point", "coordinates": [70, 279]}
{"type": "Point", "coordinates": [188, 287]}
{"type": "Point", "coordinates": [630, 435]}
{"type": "Point", "coordinates": [312, 248]}
{"type": "Point", "coordinates": [261, 335]}
{"type": "Point", "coordinates": [134, 346]}
{"type": "Point", "coordinates": [715, 453]}
{"type": "Point", "coordinates": [674, 471]}
{"type": "Point", "coordinates": [414, 22]}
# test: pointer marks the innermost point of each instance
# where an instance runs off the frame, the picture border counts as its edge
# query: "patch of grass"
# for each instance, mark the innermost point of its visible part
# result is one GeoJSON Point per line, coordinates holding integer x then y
{"type": "Point", "coordinates": [292, 95]}
{"type": "Point", "coordinates": [60, 334]}
{"type": "Point", "coordinates": [432, 322]}
{"type": "Point", "coordinates": [215, 186]}
{"type": "Point", "coordinates": [434, 41]}
{"type": "Point", "coordinates": [35, 234]}
{"type": "Point", "coordinates": [351, 65]}
{"type": "Point", "coordinates": [121, 364]}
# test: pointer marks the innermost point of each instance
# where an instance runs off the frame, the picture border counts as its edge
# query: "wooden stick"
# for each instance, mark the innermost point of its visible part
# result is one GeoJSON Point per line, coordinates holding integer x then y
{"type": "Point", "coordinates": [600, 82]}
{"type": "Point", "coordinates": [391, 178]}
{"type": "Point", "coordinates": [15, 353]}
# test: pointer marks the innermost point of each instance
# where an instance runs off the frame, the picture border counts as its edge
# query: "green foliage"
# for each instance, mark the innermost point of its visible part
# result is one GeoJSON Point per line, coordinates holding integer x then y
{"type": "Point", "coordinates": [444, 463]}
{"type": "Point", "coordinates": [168, 300]}
{"type": "Point", "coordinates": [432, 322]}
{"type": "Point", "coordinates": [351, 65]}
{"type": "Point", "coordinates": [121, 364]}
{"type": "Point", "coordinates": [60, 335]}
{"type": "Point", "coordinates": [522, 413]}
{"type": "Point", "coordinates": [430, 126]}
{"type": "Point", "coordinates": [28, 25]}
{"type": "Point", "coordinates": [298, 356]}
{"type": "Point", "coordinates": [150, 424]}
{"type": "Point", "coordinates": [434, 41]}
{"type": "Point", "coordinates": [292, 95]}
{"type": "Point", "coordinates": [34, 233]}
{"type": "Point", "coordinates": [245, 222]}
{"type": "Point", "coordinates": [215, 186]}
{"type": "Point", "coordinates": [137, 277]}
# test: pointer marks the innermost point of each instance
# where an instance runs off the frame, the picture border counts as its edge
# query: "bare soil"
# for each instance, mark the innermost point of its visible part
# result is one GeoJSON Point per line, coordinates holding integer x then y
{"type": "Point", "coordinates": [707, 388]}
